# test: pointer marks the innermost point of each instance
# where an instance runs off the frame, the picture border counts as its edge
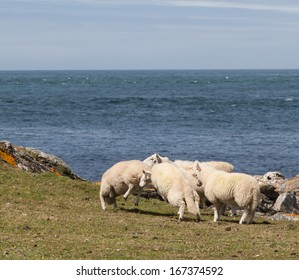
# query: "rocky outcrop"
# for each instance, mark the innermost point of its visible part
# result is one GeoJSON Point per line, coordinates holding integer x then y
{"type": "Point", "coordinates": [33, 160]}
{"type": "Point", "coordinates": [273, 178]}
{"type": "Point", "coordinates": [280, 197]}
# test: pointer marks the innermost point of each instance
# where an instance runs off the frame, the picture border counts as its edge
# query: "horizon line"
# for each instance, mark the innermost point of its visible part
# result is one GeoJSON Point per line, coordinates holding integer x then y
{"type": "Point", "coordinates": [152, 69]}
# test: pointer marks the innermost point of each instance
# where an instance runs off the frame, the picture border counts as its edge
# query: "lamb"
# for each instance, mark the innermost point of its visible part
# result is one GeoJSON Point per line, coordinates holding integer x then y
{"type": "Point", "coordinates": [121, 179]}
{"type": "Point", "coordinates": [173, 187]}
{"type": "Point", "coordinates": [237, 189]}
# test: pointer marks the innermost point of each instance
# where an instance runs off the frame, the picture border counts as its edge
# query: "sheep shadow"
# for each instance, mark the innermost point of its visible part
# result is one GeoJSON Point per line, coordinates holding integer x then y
{"type": "Point", "coordinates": [158, 214]}
{"type": "Point", "coordinates": [229, 220]}
{"type": "Point", "coordinates": [224, 219]}
{"type": "Point", "coordinates": [145, 212]}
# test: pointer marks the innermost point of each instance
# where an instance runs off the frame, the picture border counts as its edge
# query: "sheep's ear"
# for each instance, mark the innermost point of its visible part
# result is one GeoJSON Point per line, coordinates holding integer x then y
{"type": "Point", "coordinates": [159, 158]}
{"type": "Point", "coordinates": [196, 166]}
{"type": "Point", "coordinates": [148, 174]}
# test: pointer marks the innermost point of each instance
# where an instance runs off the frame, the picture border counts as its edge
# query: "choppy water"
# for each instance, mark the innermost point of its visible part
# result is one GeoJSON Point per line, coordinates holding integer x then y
{"type": "Point", "coordinates": [92, 119]}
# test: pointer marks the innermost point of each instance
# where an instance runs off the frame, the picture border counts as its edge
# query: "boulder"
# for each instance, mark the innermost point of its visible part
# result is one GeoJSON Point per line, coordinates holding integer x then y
{"type": "Point", "coordinates": [33, 160]}
{"type": "Point", "coordinates": [290, 185]}
{"type": "Point", "coordinates": [272, 178]}
{"type": "Point", "coordinates": [278, 193]}
{"type": "Point", "coordinates": [286, 202]}
{"type": "Point", "coordinates": [285, 217]}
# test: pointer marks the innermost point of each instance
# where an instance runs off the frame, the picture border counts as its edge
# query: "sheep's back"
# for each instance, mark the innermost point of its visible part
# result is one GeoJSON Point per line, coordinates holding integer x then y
{"type": "Point", "coordinates": [132, 173]}
{"type": "Point", "coordinates": [228, 186]}
{"type": "Point", "coordinates": [124, 171]}
{"type": "Point", "coordinates": [166, 176]}
{"type": "Point", "coordinates": [221, 165]}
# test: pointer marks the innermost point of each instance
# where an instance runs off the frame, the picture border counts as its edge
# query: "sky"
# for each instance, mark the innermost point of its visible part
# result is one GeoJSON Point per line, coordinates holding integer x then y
{"type": "Point", "coordinates": [140, 34]}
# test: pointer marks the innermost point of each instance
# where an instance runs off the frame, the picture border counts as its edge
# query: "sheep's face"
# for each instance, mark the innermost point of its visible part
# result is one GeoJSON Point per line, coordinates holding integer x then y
{"type": "Point", "coordinates": [145, 179]}
{"type": "Point", "coordinates": [153, 159]}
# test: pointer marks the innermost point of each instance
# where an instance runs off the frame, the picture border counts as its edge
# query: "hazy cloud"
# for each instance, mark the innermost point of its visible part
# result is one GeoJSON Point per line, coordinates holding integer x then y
{"type": "Point", "coordinates": [238, 5]}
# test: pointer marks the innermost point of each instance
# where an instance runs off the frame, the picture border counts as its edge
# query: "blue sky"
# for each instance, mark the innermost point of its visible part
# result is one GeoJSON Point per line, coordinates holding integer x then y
{"type": "Point", "coordinates": [139, 34]}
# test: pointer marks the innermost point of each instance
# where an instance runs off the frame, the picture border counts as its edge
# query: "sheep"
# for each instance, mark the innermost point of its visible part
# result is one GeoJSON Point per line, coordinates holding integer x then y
{"type": "Point", "coordinates": [173, 187]}
{"type": "Point", "coordinates": [187, 168]}
{"type": "Point", "coordinates": [237, 189]}
{"type": "Point", "coordinates": [156, 158]}
{"type": "Point", "coordinates": [121, 179]}
{"type": "Point", "coordinates": [153, 159]}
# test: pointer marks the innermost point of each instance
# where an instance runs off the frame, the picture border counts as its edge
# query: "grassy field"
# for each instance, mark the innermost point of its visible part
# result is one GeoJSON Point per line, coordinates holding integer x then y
{"type": "Point", "coordinates": [48, 217]}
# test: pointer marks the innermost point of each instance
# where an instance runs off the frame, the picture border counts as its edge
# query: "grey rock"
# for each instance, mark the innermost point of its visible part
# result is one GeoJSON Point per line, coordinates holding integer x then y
{"type": "Point", "coordinates": [286, 202]}
{"type": "Point", "coordinates": [33, 160]}
{"type": "Point", "coordinates": [285, 217]}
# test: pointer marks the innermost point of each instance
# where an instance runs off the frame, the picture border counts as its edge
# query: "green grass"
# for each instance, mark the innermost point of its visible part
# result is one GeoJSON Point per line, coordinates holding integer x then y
{"type": "Point", "coordinates": [47, 217]}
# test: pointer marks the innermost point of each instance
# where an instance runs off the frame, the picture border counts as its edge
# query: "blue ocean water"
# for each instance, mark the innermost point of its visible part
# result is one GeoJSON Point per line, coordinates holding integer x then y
{"type": "Point", "coordinates": [93, 119]}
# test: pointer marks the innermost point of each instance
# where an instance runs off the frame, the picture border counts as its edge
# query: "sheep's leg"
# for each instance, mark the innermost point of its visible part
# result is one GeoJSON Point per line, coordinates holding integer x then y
{"type": "Point", "coordinates": [114, 203]}
{"type": "Point", "coordinates": [129, 191]}
{"type": "Point", "coordinates": [102, 200]}
{"type": "Point", "coordinates": [137, 198]}
{"type": "Point", "coordinates": [244, 216]}
{"type": "Point", "coordinates": [251, 216]}
{"type": "Point", "coordinates": [198, 211]}
{"type": "Point", "coordinates": [112, 195]}
{"type": "Point", "coordinates": [222, 209]}
{"type": "Point", "coordinates": [217, 211]}
{"type": "Point", "coordinates": [181, 210]}
{"type": "Point", "coordinates": [197, 203]}
{"type": "Point", "coordinates": [233, 211]}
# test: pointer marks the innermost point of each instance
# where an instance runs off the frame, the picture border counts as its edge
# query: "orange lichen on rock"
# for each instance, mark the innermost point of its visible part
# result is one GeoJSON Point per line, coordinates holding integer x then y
{"type": "Point", "coordinates": [292, 215]}
{"type": "Point", "coordinates": [53, 170]}
{"type": "Point", "coordinates": [8, 158]}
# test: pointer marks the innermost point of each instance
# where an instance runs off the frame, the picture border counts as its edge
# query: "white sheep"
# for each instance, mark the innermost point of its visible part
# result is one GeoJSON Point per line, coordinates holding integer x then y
{"type": "Point", "coordinates": [121, 179]}
{"type": "Point", "coordinates": [187, 164]}
{"type": "Point", "coordinates": [237, 189]}
{"type": "Point", "coordinates": [153, 159]}
{"type": "Point", "coordinates": [187, 168]}
{"type": "Point", "coordinates": [173, 187]}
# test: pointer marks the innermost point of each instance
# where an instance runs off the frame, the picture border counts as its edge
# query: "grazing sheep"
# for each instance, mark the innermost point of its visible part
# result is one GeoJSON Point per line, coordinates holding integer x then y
{"type": "Point", "coordinates": [121, 179]}
{"type": "Point", "coordinates": [236, 189]}
{"type": "Point", "coordinates": [173, 187]}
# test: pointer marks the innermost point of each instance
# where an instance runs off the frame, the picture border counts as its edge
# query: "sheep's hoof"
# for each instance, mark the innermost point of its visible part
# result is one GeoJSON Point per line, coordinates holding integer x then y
{"type": "Point", "coordinates": [125, 198]}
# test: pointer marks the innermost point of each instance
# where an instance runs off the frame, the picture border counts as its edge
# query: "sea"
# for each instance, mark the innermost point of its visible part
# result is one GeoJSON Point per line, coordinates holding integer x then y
{"type": "Point", "coordinates": [93, 119]}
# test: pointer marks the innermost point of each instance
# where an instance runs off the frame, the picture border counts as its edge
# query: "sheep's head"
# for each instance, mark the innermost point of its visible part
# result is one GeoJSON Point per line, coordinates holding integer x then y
{"type": "Point", "coordinates": [196, 169]}
{"type": "Point", "coordinates": [145, 178]}
{"type": "Point", "coordinates": [153, 159]}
